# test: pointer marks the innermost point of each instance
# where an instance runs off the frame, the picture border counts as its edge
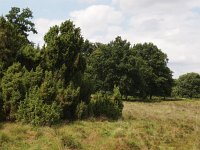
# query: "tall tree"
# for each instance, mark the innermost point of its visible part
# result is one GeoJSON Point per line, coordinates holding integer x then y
{"type": "Point", "coordinates": [115, 64]}
{"type": "Point", "coordinates": [21, 20]}
{"type": "Point", "coordinates": [14, 31]}
{"type": "Point", "coordinates": [63, 51]}
{"type": "Point", "coordinates": [157, 76]}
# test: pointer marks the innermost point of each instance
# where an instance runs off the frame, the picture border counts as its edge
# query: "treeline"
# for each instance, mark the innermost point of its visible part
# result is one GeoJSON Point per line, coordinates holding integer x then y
{"type": "Point", "coordinates": [72, 78]}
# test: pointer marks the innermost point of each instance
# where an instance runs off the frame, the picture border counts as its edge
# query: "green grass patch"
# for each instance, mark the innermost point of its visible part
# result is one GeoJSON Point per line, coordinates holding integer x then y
{"type": "Point", "coordinates": [167, 125]}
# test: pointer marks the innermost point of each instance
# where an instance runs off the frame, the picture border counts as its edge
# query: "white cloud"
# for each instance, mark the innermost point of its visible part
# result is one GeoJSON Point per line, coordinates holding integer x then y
{"type": "Point", "coordinates": [98, 22]}
{"type": "Point", "coordinates": [42, 25]}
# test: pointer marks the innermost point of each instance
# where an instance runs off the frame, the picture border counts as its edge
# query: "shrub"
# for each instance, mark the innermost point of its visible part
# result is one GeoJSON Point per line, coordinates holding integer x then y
{"type": "Point", "coordinates": [1, 106]}
{"type": "Point", "coordinates": [68, 98]}
{"type": "Point", "coordinates": [102, 105]}
{"type": "Point", "coordinates": [81, 111]}
{"type": "Point", "coordinates": [117, 97]}
{"type": "Point", "coordinates": [13, 89]}
{"type": "Point", "coordinates": [187, 86]}
{"type": "Point", "coordinates": [33, 110]}
{"type": "Point", "coordinates": [70, 142]}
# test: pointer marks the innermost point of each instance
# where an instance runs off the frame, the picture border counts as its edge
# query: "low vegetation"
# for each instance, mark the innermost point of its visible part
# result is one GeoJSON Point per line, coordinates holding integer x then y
{"type": "Point", "coordinates": [160, 125]}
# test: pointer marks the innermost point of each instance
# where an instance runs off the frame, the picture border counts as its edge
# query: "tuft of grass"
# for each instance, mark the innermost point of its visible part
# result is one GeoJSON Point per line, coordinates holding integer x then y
{"type": "Point", "coordinates": [69, 141]}
{"type": "Point", "coordinates": [4, 138]}
{"type": "Point", "coordinates": [134, 144]}
{"type": "Point", "coordinates": [1, 125]}
{"type": "Point", "coordinates": [119, 133]}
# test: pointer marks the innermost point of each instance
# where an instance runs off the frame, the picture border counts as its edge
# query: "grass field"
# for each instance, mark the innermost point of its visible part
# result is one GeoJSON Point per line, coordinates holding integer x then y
{"type": "Point", "coordinates": [164, 125]}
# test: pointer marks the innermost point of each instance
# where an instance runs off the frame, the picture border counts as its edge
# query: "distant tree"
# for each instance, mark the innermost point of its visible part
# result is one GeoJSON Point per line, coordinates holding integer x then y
{"type": "Point", "coordinates": [156, 75]}
{"type": "Point", "coordinates": [115, 64]}
{"type": "Point", "coordinates": [187, 86]}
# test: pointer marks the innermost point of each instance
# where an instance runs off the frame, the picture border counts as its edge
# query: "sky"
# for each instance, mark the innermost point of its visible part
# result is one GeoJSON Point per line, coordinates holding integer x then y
{"type": "Point", "coordinates": [172, 25]}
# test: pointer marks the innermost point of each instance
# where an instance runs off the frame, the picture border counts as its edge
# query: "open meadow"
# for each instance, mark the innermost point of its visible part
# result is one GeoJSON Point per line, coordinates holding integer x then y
{"type": "Point", "coordinates": [163, 125]}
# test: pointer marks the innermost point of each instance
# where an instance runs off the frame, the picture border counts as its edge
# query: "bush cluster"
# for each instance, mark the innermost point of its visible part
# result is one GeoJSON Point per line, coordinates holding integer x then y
{"type": "Point", "coordinates": [43, 86]}
{"type": "Point", "coordinates": [106, 105]}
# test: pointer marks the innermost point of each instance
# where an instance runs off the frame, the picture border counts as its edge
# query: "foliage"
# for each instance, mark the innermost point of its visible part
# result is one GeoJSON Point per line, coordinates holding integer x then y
{"type": "Point", "coordinates": [63, 51]}
{"type": "Point", "coordinates": [1, 107]}
{"type": "Point", "coordinates": [81, 111]}
{"type": "Point", "coordinates": [13, 89]}
{"type": "Point", "coordinates": [187, 86]}
{"type": "Point", "coordinates": [88, 48]}
{"type": "Point", "coordinates": [29, 56]}
{"type": "Point", "coordinates": [117, 98]}
{"type": "Point", "coordinates": [68, 98]}
{"type": "Point", "coordinates": [70, 142]}
{"type": "Point", "coordinates": [10, 43]}
{"type": "Point", "coordinates": [21, 20]}
{"type": "Point", "coordinates": [14, 30]}
{"type": "Point", "coordinates": [156, 75]}
{"type": "Point", "coordinates": [114, 64]}
{"type": "Point", "coordinates": [102, 105]}
{"type": "Point", "coordinates": [86, 89]}
{"type": "Point", "coordinates": [36, 111]}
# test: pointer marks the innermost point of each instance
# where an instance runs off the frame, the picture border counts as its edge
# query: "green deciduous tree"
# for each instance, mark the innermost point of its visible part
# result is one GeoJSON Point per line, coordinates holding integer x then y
{"type": "Point", "coordinates": [10, 43]}
{"type": "Point", "coordinates": [14, 31]}
{"type": "Point", "coordinates": [156, 75]}
{"type": "Point", "coordinates": [115, 64]}
{"type": "Point", "coordinates": [21, 19]}
{"type": "Point", "coordinates": [187, 86]}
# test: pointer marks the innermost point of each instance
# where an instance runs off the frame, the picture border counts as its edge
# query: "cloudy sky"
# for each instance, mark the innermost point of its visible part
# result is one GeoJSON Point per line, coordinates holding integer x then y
{"type": "Point", "coordinates": [173, 25]}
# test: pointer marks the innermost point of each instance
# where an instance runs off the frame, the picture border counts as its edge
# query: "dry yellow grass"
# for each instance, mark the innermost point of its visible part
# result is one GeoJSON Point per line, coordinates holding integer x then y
{"type": "Point", "coordinates": [162, 125]}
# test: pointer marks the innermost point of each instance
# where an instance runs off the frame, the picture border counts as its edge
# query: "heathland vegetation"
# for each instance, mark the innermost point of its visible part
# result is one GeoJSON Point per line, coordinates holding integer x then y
{"type": "Point", "coordinates": [70, 78]}
{"type": "Point", "coordinates": [165, 125]}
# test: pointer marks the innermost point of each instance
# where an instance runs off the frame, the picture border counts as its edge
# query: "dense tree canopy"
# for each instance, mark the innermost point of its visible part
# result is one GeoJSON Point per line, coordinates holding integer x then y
{"type": "Point", "coordinates": [188, 86]}
{"type": "Point", "coordinates": [156, 75]}
{"type": "Point", "coordinates": [114, 64]}
{"type": "Point", "coordinates": [140, 70]}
